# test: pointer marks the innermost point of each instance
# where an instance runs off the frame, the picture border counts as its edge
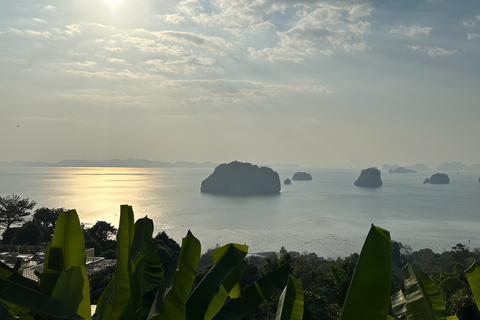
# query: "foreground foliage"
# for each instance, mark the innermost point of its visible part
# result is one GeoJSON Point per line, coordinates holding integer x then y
{"type": "Point", "coordinates": [149, 286]}
{"type": "Point", "coordinates": [140, 288]}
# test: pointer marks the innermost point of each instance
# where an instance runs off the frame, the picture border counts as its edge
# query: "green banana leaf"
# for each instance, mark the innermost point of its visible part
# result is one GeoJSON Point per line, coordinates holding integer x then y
{"type": "Point", "coordinates": [399, 305]}
{"type": "Point", "coordinates": [231, 285]}
{"type": "Point", "coordinates": [424, 300]}
{"type": "Point", "coordinates": [473, 278]}
{"type": "Point", "coordinates": [290, 304]}
{"type": "Point", "coordinates": [69, 287]}
{"type": "Point", "coordinates": [35, 301]}
{"type": "Point", "coordinates": [199, 301]}
{"type": "Point", "coordinates": [172, 295]}
{"type": "Point", "coordinates": [254, 294]}
{"type": "Point", "coordinates": [150, 271]}
{"type": "Point", "coordinates": [5, 313]}
{"type": "Point", "coordinates": [368, 296]}
{"type": "Point", "coordinates": [67, 250]}
{"type": "Point", "coordinates": [121, 298]}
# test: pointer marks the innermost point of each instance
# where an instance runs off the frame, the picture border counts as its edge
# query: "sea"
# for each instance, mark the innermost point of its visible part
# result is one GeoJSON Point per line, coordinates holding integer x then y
{"type": "Point", "coordinates": [327, 216]}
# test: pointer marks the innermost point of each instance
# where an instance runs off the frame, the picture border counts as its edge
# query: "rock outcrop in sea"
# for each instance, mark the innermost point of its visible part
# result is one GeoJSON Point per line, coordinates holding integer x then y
{"type": "Point", "coordinates": [369, 178]}
{"type": "Point", "coordinates": [438, 178]}
{"type": "Point", "coordinates": [287, 181]}
{"type": "Point", "coordinates": [241, 179]}
{"type": "Point", "coordinates": [302, 176]}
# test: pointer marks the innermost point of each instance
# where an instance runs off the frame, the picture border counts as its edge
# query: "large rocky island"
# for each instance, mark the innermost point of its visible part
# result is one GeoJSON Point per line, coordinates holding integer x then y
{"type": "Point", "coordinates": [369, 178]}
{"type": "Point", "coordinates": [438, 178]}
{"type": "Point", "coordinates": [241, 179]}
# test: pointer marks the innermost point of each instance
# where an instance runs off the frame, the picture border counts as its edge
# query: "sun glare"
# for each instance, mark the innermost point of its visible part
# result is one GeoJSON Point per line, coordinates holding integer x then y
{"type": "Point", "coordinates": [113, 2]}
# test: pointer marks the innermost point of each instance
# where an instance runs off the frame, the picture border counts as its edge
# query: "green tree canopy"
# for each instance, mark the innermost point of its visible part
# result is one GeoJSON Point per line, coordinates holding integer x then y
{"type": "Point", "coordinates": [30, 234]}
{"type": "Point", "coordinates": [46, 218]}
{"type": "Point", "coordinates": [14, 209]}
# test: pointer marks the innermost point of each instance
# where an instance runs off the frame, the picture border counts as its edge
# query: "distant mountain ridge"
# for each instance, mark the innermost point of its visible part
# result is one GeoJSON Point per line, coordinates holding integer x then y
{"type": "Point", "coordinates": [445, 166]}
{"type": "Point", "coordinates": [127, 163]}
{"type": "Point", "coordinates": [458, 166]}
{"type": "Point", "coordinates": [418, 167]}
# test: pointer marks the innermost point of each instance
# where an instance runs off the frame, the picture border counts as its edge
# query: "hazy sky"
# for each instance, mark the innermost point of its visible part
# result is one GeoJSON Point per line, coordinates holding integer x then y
{"type": "Point", "coordinates": [328, 83]}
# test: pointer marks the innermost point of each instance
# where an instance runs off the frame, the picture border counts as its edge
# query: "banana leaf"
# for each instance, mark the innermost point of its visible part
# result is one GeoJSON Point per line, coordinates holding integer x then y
{"type": "Point", "coordinates": [231, 285]}
{"type": "Point", "coordinates": [67, 250]}
{"type": "Point", "coordinates": [199, 301]}
{"type": "Point", "coordinates": [69, 287]}
{"type": "Point", "coordinates": [150, 271]}
{"type": "Point", "coordinates": [424, 300]}
{"type": "Point", "coordinates": [35, 301]}
{"type": "Point", "coordinates": [399, 306]}
{"type": "Point", "coordinates": [172, 295]}
{"type": "Point", "coordinates": [290, 304]}
{"type": "Point", "coordinates": [254, 294]}
{"type": "Point", "coordinates": [5, 313]}
{"type": "Point", "coordinates": [473, 278]}
{"type": "Point", "coordinates": [121, 297]}
{"type": "Point", "coordinates": [368, 296]}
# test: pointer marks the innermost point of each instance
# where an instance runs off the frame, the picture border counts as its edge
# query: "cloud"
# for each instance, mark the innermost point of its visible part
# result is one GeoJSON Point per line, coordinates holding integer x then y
{"type": "Point", "coordinates": [471, 36]}
{"type": "Point", "coordinates": [113, 75]}
{"type": "Point", "coordinates": [434, 51]}
{"type": "Point", "coordinates": [31, 32]}
{"type": "Point", "coordinates": [187, 65]}
{"type": "Point", "coordinates": [214, 44]}
{"type": "Point", "coordinates": [302, 42]}
{"type": "Point", "coordinates": [411, 31]}
{"type": "Point", "coordinates": [38, 20]}
{"type": "Point", "coordinates": [72, 29]}
{"type": "Point", "coordinates": [49, 7]}
{"type": "Point", "coordinates": [174, 18]}
{"type": "Point", "coordinates": [225, 92]}
{"type": "Point", "coordinates": [119, 98]}
{"type": "Point", "coordinates": [114, 60]}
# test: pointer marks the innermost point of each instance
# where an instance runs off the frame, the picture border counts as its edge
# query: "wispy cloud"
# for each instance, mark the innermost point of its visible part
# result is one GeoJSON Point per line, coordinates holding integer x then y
{"type": "Point", "coordinates": [72, 29]}
{"type": "Point", "coordinates": [434, 51]}
{"type": "Point", "coordinates": [411, 31]}
{"type": "Point", "coordinates": [174, 18]}
{"type": "Point", "coordinates": [31, 32]}
{"type": "Point", "coordinates": [471, 36]}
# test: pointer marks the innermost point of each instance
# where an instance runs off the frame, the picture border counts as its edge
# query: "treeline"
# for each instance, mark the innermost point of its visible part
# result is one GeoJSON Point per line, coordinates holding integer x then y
{"type": "Point", "coordinates": [325, 281]}
{"type": "Point", "coordinates": [37, 226]}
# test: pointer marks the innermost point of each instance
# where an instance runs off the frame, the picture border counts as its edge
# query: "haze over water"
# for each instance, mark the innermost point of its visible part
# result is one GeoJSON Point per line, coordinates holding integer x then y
{"type": "Point", "coordinates": [328, 215]}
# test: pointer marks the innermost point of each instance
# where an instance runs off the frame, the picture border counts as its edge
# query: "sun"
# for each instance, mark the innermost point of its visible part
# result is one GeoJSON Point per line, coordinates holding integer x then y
{"type": "Point", "coordinates": [113, 2]}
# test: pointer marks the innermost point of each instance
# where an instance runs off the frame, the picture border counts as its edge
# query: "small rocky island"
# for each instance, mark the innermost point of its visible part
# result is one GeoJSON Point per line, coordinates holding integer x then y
{"type": "Point", "coordinates": [302, 176]}
{"type": "Point", "coordinates": [369, 178]}
{"type": "Point", "coordinates": [401, 170]}
{"type": "Point", "coordinates": [287, 181]}
{"type": "Point", "coordinates": [241, 179]}
{"type": "Point", "coordinates": [438, 178]}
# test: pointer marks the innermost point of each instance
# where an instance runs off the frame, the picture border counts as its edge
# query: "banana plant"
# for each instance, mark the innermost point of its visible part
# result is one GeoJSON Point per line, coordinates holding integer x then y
{"type": "Point", "coordinates": [63, 292]}
{"type": "Point", "coordinates": [473, 278]}
{"type": "Point", "coordinates": [369, 292]}
{"type": "Point", "coordinates": [140, 289]}
{"type": "Point", "coordinates": [422, 299]}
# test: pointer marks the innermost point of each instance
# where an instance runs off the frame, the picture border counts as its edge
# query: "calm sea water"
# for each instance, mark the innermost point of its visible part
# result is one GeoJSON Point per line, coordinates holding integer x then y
{"type": "Point", "coordinates": [328, 215]}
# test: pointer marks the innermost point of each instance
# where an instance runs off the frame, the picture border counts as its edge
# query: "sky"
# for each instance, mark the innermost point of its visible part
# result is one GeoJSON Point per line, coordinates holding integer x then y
{"type": "Point", "coordinates": [318, 83]}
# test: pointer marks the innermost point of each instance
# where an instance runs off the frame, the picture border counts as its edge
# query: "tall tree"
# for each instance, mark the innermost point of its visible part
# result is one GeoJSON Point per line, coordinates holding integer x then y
{"type": "Point", "coordinates": [14, 209]}
{"type": "Point", "coordinates": [46, 219]}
